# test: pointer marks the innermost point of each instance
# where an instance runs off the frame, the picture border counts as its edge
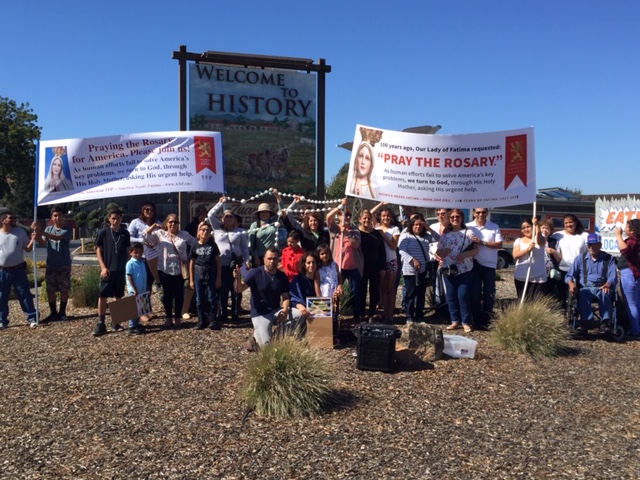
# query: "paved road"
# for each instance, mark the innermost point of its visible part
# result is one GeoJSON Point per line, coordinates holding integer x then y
{"type": "Point", "coordinates": [77, 259]}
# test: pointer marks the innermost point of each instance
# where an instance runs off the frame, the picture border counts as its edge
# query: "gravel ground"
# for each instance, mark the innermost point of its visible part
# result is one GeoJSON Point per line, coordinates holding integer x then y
{"type": "Point", "coordinates": [166, 405]}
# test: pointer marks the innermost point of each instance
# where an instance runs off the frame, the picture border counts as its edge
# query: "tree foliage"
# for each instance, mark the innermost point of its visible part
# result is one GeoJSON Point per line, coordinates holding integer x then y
{"type": "Point", "coordinates": [18, 135]}
{"type": "Point", "coordinates": [338, 184]}
{"type": "Point", "coordinates": [575, 191]}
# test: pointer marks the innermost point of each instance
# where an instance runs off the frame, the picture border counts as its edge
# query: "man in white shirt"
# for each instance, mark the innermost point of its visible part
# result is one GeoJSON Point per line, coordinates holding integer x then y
{"type": "Point", "coordinates": [14, 241]}
{"type": "Point", "coordinates": [483, 292]}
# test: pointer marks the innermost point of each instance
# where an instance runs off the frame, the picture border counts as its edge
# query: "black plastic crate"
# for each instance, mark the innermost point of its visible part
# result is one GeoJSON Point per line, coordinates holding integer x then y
{"type": "Point", "coordinates": [376, 347]}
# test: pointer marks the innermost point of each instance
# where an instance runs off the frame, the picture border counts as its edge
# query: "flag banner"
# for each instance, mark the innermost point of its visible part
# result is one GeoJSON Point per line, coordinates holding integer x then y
{"type": "Point", "coordinates": [79, 169]}
{"type": "Point", "coordinates": [488, 169]}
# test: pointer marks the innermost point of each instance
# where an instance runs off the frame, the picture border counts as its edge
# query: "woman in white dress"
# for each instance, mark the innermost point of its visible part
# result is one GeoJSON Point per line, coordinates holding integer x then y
{"type": "Point", "coordinates": [528, 252]}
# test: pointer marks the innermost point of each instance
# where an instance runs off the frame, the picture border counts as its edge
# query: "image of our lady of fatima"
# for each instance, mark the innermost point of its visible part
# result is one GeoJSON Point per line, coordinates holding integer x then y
{"type": "Point", "coordinates": [363, 182]}
{"type": "Point", "coordinates": [57, 179]}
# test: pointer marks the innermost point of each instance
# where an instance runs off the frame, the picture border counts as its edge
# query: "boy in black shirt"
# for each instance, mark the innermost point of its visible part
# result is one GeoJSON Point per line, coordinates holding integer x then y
{"type": "Point", "coordinates": [112, 250]}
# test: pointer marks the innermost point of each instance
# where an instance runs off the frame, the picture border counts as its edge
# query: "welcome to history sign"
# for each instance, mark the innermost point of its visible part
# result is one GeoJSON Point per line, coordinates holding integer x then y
{"type": "Point", "coordinates": [489, 169]}
{"type": "Point", "coordinates": [74, 170]}
{"type": "Point", "coordinates": [268, 117]}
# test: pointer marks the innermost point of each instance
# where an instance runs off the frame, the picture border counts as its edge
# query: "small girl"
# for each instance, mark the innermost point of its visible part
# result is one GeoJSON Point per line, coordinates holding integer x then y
{"type": "Point", "coordinates": [291, 255]}
{"type": "Point", "coordinates": [330, 282]}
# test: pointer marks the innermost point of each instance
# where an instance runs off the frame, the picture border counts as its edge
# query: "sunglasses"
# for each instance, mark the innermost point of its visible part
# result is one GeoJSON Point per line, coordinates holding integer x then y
{"type": "Point", "coordinates": [482, 213]}
{"type": "Point", "coordinates": [147, 209]}
{"type": "Point", "coordinates": [172, 221]}
{"type": "Point", "coordinates": [453, 217]}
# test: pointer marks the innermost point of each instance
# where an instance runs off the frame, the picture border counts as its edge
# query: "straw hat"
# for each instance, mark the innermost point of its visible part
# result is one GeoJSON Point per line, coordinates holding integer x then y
{"type": "Point", "coordinates": [264, 207]}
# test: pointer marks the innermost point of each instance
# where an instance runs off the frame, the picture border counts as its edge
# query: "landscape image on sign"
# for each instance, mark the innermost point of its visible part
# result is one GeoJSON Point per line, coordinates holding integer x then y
{"type": "Point", "coordinates": [268, 121]}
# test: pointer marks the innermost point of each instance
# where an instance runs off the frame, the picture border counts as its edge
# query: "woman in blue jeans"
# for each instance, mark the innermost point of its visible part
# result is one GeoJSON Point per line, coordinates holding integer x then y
{"type": "Point", "coordinates": [630, 277]}
{"type": "Point", "coordinates": [414, 251]}
{"type": "Point", "coordinates": [456, 250]}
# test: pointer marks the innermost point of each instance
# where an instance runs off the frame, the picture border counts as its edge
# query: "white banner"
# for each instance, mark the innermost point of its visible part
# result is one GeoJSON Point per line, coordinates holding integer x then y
{"type": "Point", "coordinates": [483, 169]}
{"type": "Point", "coordinates": [81, 169]}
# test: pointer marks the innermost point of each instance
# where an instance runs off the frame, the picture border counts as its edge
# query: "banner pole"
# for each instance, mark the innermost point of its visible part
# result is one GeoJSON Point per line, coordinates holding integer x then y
{"type": "Point", "coordinates": [533, 239]}
{"type": "Point", "coordinates": [35, 218]}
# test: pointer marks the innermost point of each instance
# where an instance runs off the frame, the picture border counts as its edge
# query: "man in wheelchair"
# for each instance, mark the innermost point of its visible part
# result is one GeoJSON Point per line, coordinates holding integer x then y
{"type": "Point", "coordinates": [591, 278]}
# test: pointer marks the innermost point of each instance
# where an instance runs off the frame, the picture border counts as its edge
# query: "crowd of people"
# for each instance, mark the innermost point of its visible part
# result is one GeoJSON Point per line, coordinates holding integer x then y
{"type": "Point", "coordinates": [451, 262]}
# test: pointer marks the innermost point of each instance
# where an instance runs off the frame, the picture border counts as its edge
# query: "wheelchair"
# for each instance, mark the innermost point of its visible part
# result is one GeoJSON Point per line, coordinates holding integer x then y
{"type": "Point", "coordinates": [581, 328]}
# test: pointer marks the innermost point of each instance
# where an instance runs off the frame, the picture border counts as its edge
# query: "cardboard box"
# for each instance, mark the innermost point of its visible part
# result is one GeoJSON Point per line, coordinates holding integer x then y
{"type": "Point", "coordinates": [128, 308]}
{"type": "Point", "coordinates": [320, 332]}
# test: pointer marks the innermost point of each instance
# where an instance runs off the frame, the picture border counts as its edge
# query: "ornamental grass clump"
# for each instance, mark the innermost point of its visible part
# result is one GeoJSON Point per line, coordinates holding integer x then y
{"type": "Point", "coordinates": [537, 328]}
{"type": "Point", "coordinates": [85, 293]}
{"type": "Point", "coordinates": [287, 378]}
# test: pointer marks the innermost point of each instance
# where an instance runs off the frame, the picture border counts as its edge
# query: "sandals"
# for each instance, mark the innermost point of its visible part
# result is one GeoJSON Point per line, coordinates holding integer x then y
{"type": "Point", "coordinates": [457, 326]}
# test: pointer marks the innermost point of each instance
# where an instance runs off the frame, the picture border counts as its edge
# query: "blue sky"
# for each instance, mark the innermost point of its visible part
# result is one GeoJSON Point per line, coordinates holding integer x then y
{"type": "Point", "coordinates": [569, 68]}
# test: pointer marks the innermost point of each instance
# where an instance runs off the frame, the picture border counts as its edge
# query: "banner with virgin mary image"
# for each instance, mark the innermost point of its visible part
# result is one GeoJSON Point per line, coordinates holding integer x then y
{"type": "Point", "coordinates": [426, 170]}
{"type": "Point", "coordinates": [74, 170]}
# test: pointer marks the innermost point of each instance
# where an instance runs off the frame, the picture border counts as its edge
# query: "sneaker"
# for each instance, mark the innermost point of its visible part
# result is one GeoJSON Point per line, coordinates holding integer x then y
{"type": "Point", "coordinates": [177, 322]}
{"type": "Point", "coordinates": [581, 330]}
{"type": "Point", "coordinates": [63, 318]}
{"type": "Point", "coordinates": [116, 327]}
{"type": "Point", "coordinates": [101, 329]}
{"type": "Point", "coordinates": [137, 330]}
{"type": "Point", "coordinates": [200, 325]}
{"type": "Point", "coordinates": [216, 325]}
{"type": "Point", "coordinates": [33, 324]}
{"type": "Point", "coordinates": [3, 326]}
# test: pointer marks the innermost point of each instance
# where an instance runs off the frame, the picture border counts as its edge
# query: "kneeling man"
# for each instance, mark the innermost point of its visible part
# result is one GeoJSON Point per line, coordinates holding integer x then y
{"type": "Point", "coordinates": [268, 287]}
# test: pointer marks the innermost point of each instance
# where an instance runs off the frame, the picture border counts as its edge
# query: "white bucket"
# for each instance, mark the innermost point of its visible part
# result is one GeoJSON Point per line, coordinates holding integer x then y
{"type": "Point", "coordinates": [457, 346]}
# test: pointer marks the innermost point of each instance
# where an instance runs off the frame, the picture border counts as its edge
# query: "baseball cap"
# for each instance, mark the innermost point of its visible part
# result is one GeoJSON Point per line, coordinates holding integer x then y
{"type": "Point", "coordinates": [593, 238]}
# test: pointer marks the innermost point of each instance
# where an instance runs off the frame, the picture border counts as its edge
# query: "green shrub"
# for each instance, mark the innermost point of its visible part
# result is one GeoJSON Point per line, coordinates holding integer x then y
{"type": "Point", "coordinates": [31, 278]}
{"type": "Point", "coordinates": [536, 328]}
{"type": "Point", "coordinates": [347, 299]}
{"type": "Point", "coordinates": [287, 378]}
{"type": "Point", "coordinates": [85, 293]}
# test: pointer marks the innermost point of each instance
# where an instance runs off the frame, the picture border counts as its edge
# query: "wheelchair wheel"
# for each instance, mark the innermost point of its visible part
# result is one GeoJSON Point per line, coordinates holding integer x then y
{"type": "Point", "coordinates": [571, 312]}
{"type": "Point", "coordinates": [617, 333]}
